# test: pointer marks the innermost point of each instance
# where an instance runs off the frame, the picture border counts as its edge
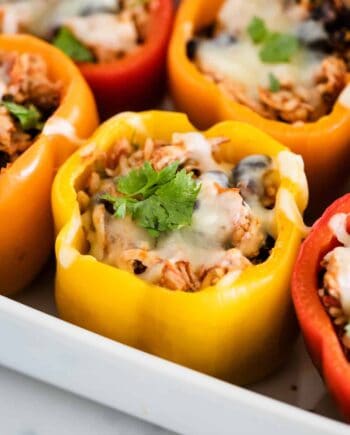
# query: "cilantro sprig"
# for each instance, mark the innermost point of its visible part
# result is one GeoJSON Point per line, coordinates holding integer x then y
{"type": "Point", "coordinates": [276, 47]}
{"type": "Point", "coordinates": [71, 46]}
{"type": "Point", "coordinates": [28, 117]}
{"type": "Point", "coordinates": [157, 201]}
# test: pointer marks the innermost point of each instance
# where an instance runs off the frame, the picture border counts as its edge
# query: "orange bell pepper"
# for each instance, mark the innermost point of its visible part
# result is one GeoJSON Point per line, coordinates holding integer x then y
{"type": "Point", "coordinates": [237, 331]}
{"type": "Point", "coordinates": [324, 144]}
{"type": "Point", "coordinates": [26, 233]}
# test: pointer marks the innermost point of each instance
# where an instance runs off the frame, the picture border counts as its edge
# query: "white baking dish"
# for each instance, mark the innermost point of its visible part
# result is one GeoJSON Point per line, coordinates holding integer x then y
{"type": "Point", "coordinates": [47, 348]}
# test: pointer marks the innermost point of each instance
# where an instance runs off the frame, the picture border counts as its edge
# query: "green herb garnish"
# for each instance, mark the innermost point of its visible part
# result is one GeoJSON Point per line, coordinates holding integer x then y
{"type": "Point", "coordinates": [71, 46]}
{"type": "Point", "coordinates": [257, 30]}
{"type": "Point", "coordinates": [157, 201]}
{"type": "Point", "coordinates": [278, 48]}
{"type": "Point", "coordinates": [28, 117]}
{"type": "Point", "coordinates": [275, 84]}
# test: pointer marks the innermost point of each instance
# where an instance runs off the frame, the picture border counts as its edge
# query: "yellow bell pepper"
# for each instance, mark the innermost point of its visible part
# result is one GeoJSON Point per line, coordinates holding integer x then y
{"type": "Point", "coordinates": [239, 332]}
{"type": "Point", "coordinates": [26, 230]}
{"type": "Point", "coordinates": [324, 144]}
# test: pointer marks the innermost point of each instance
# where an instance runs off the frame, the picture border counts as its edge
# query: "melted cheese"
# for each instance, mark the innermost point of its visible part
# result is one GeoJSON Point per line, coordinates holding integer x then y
{"type": "Point", "coordinates": [344, 97]}
{"type": "Point", "coordinates": [199, 149]}
{"type": "Point", "coordinates": [104, 30]}
{"type": "Point", "coordinates": [40, 17]}
{"type": "Point", "coordinates": [217, 214]}
{"type": "Point", "coordinates": [212, 225]}
{"type": "Point", "coordinates": [123, 234]}
{"type": "Point", "coordinates": [240, 61]}
{"type": "Point", "coordinates": [291, 166]}
{"type": "Point", "coordinates": [286, 203]}
{"type": "Point", "coordinates": [235, 15]}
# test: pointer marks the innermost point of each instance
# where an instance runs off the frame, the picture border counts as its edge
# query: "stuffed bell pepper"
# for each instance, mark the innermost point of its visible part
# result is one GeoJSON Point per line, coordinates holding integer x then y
{"type": "Point", "coordinates": [119, 45]}
{"type": "Point", "coordinates": [46, 109]}
{"type": "Point", "coordinates": [321, 293]}
{"type": "Point", "coordinates": [282, 66]}
{"type": "Point", "coordinates": [181, 243]}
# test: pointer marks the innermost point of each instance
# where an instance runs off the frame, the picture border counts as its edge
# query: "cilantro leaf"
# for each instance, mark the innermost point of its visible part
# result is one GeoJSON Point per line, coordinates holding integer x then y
{"type": "Point", "coordinates": [143, 181]}
{"type": "Point", "coordinates": [71, 46]}
{"type": "Point", "coordinates": [178, 196]}
{"type": "Point", "coordinates": [28, 117]}
{"type": "Point", "coordinates": [157, 201]}
{"type": "Point", "coordinates": [171, 206]}
{"type": "Point", "coordinates": [275, 84]}
{"type": "Point", "coordinates": [138, 181]}
{"type": "Point", "coordinates": [168, 173]}
{"type": "Point", "coordinates": [278, 48]}
{"type": "Point", "coordinates": [151, 215]}
{"type": "Point", "coordinates": [257, 30]}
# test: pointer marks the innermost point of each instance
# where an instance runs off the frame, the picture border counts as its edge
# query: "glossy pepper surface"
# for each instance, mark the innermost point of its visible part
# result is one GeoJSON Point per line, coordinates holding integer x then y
{"type": "Point", "coordinates": [26, 230]}
{"type": "Point", "coordinates": [240, 331]}
{"type": "Point", "coordinates": [137, 81]}
{"type": "Point", "coordinates": [320, 336]}
{"type": "Point", "coordinates": [324, 145]}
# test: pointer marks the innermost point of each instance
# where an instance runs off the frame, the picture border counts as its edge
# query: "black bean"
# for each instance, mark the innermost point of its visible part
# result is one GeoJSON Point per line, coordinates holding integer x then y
{"type": "Point", "coordinates": [4, 159]}
{"type": "Point", "coordinates": [207, 31]}
{"type": "Point", "coordinates": [320, 45]}
{"type": "Point", "coordinates": [108, 205]}
{"type": "Point", "coordinates": [191, 48]}
{"type": "Point", "coordinates": [196, 172]}
{"type": "Point", "coordinates": [250, 164]}
{"type": "Point", "coordinates": [138, 267]}
{"type": "Point", "coordinates": [265, 251]}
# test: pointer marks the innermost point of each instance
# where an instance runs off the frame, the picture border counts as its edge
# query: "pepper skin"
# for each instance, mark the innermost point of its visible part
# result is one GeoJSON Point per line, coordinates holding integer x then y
{"type": "Point", "coordinates": [320, 337]}
{"type": "Point", "coordinates": [238, 332]}
{"type": "Point", "coordinates": [137, 81]}
{"type": "Point", "coordinates": [26, 230]}
{"type": "Point", "coordinates": [324, 144]}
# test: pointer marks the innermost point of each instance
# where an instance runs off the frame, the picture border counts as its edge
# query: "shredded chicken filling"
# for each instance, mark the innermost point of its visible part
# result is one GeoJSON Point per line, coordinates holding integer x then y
{"type": "Point", "coordinates": [225, 234]}
{"type": "Point", "coordinates": [27, 98]}
{"type": "Point", "coordinates": [335, 292]}
{"type": "Point", "coordinates": [300, 89]}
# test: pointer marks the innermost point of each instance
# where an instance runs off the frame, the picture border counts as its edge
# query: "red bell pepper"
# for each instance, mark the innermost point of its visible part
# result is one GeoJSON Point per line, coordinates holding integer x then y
{"type": "Point", "coordinates": [137, 81]}
{"type": "Point", "coordinates": [321, 339]}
